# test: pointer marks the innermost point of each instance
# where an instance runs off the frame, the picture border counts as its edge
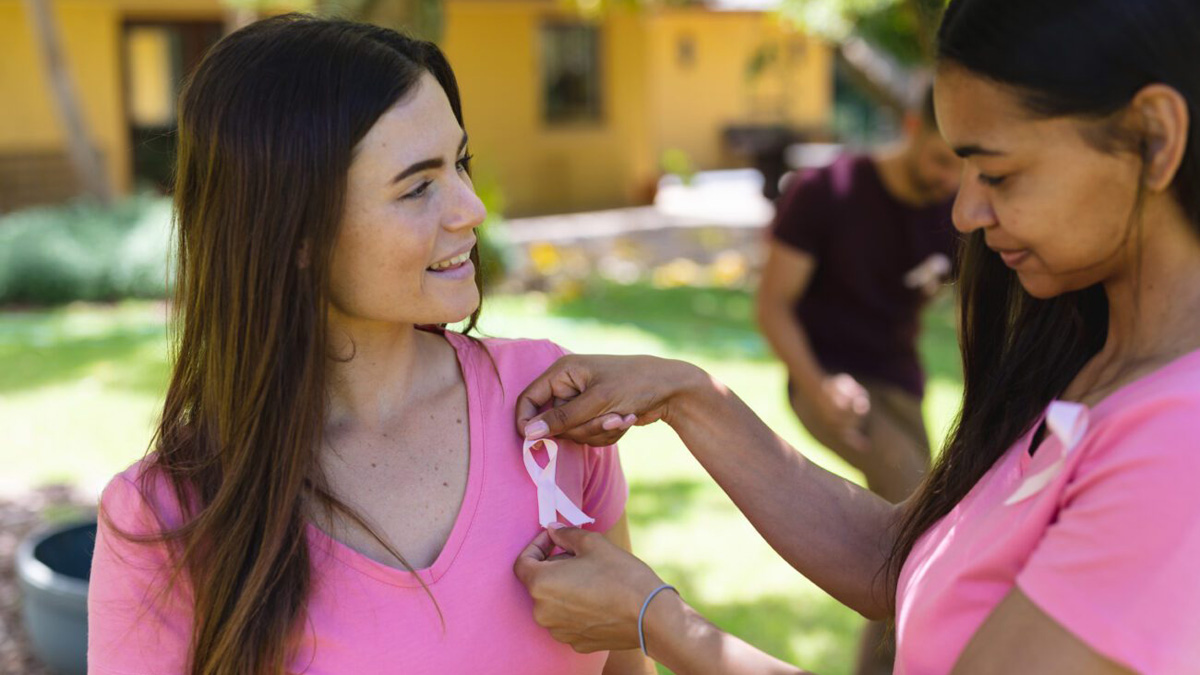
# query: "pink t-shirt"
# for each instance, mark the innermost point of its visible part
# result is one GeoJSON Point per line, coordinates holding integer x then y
{"type": "Point", "coordinates": [365, 617]}
{"type": "Point", "coordinates": [1100, 528]}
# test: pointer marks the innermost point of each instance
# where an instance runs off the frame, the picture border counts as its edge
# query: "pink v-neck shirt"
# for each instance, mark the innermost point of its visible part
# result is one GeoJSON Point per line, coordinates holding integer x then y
{"type": "Point", "coordinates": [363, 616]}
{"type": "Point", "coordinates": [1100, 529]}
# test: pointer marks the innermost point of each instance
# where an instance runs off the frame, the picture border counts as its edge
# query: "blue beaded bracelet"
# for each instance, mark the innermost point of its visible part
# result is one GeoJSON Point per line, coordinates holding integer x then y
{"type": "Point", "coordinates": [642, 614]}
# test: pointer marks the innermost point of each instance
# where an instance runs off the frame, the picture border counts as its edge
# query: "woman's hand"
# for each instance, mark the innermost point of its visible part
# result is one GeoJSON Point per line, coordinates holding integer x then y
{"type": "Point", "coordinates": [590, 596]}
{"type": "Point", "coordinates": [591, 601]}
{"type": "Point", "coordinates": [596, 399]}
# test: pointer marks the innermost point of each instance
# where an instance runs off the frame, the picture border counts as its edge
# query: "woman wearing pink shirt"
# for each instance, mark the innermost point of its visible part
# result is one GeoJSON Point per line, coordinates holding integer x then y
{"type": "Point", "coordinates": [1060, 529]}
{"type": "Point", "coordinates": [336, 486]}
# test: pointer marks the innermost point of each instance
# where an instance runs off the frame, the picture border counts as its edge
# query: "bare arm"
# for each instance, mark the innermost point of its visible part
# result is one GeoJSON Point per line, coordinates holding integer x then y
{"type": "Point", "coordinates": [785, 278]}
{"type": "Point", "coordinates": [591, 600]}
{"type": "Point", "coordinates": [1018, 637]}
{"type": "Point", "coordinates": [832, 531]}
{"type": "Point", "coordinates": [831, 408]}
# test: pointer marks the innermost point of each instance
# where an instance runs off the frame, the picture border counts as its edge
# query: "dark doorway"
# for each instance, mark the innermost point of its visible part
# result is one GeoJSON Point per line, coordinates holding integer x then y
{"type": "Point", "coordinates": [157, 56]}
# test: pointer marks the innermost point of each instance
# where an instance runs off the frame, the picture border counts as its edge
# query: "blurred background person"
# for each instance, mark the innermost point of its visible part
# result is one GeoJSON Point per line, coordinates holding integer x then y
{"type": "Point", "coordinates": [856, 250]}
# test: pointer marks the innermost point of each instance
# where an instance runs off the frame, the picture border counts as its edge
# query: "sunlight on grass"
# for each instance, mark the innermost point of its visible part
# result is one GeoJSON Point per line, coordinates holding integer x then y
{"type": "Point", "coordinates": [80, 388]}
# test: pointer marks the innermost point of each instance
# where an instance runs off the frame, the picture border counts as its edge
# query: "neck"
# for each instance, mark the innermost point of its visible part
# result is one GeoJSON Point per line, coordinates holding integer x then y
{"type": "Point", "coordinates": [1154, 307]}
{"type": "Point", "coordinates": [375, 373]}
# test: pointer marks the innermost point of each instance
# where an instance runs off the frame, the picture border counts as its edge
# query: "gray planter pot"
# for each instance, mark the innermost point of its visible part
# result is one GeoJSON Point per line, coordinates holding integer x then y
{"type": "Point", "coordinates": [53, 568]}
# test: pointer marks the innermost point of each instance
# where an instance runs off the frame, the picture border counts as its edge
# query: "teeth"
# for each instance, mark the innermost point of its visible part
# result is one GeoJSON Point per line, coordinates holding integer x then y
{"type": "Point", "coordinates": [456, 260]}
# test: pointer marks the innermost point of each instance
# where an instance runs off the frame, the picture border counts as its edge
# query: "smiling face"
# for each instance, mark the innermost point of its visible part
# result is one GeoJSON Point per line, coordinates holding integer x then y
{"type": "Point", "coordinates": [410, 217]}
{"type": "Point", "coordinates": [1056, 208]}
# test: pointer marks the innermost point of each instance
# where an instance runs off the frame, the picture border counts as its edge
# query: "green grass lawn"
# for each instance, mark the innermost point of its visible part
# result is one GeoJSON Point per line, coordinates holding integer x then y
{"type": "Point", "coordinates": [80, 386]}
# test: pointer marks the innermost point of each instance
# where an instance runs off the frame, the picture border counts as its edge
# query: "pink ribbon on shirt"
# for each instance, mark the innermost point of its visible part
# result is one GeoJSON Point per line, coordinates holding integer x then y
{"type": "Point", "coordinates": [1068, 422]}
{"type": "Point", "coordinates": [550, 497]}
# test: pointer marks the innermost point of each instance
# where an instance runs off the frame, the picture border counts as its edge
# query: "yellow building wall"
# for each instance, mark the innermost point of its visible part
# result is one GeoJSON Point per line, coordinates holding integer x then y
{"type": "Point", "coordinates": [495, 51]}
{"type": "Point", "coordinates": [652, 101]}
{"type": "Point", "coordinates": [692, 102]}
{"type": "Point", "coordinates": [29, 121]}
{"type": "Point", "coordinates": [90, 37]}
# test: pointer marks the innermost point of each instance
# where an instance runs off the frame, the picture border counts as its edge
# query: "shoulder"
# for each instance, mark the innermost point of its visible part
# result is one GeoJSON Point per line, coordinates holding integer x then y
{"type": "Point", "coordinates": [831, 184]}
{"type": "Point", "coordinates": [141, 500]}
{"type": "Point", "coordinates": [517, 361]}
{"type": "Point", "coordinates": [1167, 400]}
{"type": "Point", "coordinates": [1150, 426]}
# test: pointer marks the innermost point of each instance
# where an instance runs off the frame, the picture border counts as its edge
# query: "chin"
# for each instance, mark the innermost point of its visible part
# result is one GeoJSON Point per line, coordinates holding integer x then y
{"type": "Point", "coordinates": [1043, 288]}
{"type": "Point", "coordinates": [459, 311]}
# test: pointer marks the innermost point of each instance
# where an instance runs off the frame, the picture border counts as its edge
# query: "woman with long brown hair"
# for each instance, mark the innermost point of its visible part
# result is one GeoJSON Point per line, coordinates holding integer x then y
{"type": "Point", "coordinates": [1060, 528]}
{"type": "Point", "coordinates": [335, 485]}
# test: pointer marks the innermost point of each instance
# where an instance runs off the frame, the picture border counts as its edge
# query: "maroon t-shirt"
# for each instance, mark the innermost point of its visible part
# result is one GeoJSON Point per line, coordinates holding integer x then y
{"type": "Point", "coordinates": [861, 310]}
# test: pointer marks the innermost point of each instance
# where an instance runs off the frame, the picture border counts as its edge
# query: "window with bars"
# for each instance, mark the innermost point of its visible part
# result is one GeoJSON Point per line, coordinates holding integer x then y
{"type": "Point", "coordinates": [571, 73]}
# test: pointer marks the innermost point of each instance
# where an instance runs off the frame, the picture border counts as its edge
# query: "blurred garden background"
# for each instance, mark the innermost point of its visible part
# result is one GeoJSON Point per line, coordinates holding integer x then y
{"type": "Point", "coordinates": [628, 150]}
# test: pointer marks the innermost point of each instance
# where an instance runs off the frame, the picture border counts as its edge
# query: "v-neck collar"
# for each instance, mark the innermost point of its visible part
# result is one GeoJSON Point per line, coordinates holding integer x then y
{"type": "Point", "coordinates": [466, 511]}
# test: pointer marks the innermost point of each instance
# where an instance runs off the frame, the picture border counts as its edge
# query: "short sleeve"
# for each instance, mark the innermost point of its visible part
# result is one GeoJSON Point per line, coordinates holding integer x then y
{"type": "Point", "coordinates": [135, 625]}
{"type": "Point", "coordinates": [803, 216]}
{"type": "Point", "coordinates": [605, 491]}
{"type": "Point", "coordinates": [1118, 568]}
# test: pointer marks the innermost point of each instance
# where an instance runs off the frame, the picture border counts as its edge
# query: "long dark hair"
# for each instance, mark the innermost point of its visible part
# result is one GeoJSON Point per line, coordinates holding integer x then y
{"type": "Point", "coordinates": [268, 124]}
{"type": "Point", "coordinates": [1085, 58]}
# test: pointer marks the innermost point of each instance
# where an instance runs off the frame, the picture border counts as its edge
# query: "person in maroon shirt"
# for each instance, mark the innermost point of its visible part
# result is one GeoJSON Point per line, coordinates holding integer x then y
{"type": "Point", "coordinates": [856, 250]}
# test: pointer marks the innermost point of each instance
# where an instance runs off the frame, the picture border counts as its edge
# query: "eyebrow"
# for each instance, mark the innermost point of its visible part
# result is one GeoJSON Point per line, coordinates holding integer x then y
{"type": "Point", "coordinates": [966, 151]}
{"type": "Point", "coordinates": [427, 164]}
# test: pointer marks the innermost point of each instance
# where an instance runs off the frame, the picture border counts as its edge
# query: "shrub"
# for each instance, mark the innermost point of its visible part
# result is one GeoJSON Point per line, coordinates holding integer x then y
{"type": "Point", "coordinates": [82, 251]}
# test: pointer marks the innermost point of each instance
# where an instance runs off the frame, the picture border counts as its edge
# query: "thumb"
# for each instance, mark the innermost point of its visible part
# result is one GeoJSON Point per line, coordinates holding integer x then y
{"type": "Point", "coordinates": [571, 539]}
{"type": "Point", "coordinates": [536, 552]}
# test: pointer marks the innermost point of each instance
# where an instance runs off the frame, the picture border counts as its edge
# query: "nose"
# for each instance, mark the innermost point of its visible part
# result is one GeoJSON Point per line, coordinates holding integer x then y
{"type": "Point", "coordinates": [467, 210]}
{"type": "Point", "coordinates": [972, 208]}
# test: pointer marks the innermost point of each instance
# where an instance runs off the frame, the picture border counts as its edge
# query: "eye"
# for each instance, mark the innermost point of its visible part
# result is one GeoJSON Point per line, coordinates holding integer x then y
{"type": "Point", "coordinates": [991, 181]}
{"type": "Point", "coordinates": [464, 164]}
{"type": "Point", "coordinates": [417, 192]}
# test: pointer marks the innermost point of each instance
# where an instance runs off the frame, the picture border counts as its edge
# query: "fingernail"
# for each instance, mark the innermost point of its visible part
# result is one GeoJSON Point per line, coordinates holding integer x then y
{"type": "Point", "coordinates": [536, 430]}
{"type": "Point", "coordinates": [555, 526]}
{"type": "Point", "coordinates": [612, 423]}
{"type": "Point", "coordinates": [629, 419]}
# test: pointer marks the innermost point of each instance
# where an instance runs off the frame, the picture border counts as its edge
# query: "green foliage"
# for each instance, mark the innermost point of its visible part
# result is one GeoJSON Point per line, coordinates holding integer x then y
{"type": "Point", "coordinates": [903, 28]}
{"type": "Point", "coordinates": [81, 387]}
{"type": "Point", "coordinates": [495, 251]}
{"type": "Point", "coordinates": [896, 30]}
{"type": "Point", "coordinates": [832, 19]}
{"type": "Point", "coordinates": [83, 251]}
{"type": "Point", "coordinates": [677, 162]}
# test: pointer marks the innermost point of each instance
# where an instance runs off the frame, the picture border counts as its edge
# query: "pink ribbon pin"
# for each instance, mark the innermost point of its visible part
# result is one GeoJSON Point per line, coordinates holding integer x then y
{"type": "Point", "coordinates": [551, 499]}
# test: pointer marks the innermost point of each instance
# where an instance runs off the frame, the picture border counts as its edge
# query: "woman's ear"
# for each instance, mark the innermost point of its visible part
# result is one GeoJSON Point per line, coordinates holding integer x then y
{"type": "Point", "coordinates": [1163, 116]}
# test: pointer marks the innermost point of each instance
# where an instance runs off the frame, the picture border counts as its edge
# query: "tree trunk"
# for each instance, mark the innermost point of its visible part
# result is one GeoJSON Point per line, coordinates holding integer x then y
{"type": "Point", "coordinates": [92, 173]}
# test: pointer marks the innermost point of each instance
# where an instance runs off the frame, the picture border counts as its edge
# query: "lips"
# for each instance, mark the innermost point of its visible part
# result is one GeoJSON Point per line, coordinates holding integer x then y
{"type": "Point", "coordinates": [1013, 258]}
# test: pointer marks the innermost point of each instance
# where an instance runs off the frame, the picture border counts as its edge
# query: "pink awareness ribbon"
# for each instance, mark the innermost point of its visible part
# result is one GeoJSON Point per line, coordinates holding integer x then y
{"type": "Point", "coordinates": [551, 499]}
{"type": "Point", "coordinates": [1068, 422]}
